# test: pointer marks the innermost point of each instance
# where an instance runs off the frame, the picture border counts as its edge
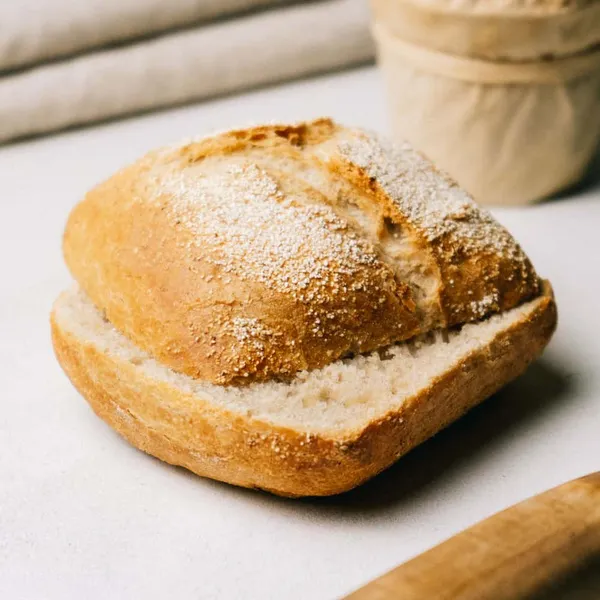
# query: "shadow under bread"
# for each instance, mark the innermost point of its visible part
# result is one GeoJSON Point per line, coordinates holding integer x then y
{"type": "Point", "coordinates": [522, 401]}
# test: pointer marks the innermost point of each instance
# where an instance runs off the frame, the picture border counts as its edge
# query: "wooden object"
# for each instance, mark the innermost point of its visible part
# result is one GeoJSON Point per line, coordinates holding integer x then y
{"type": "Point", "coordinates": [513, 554]}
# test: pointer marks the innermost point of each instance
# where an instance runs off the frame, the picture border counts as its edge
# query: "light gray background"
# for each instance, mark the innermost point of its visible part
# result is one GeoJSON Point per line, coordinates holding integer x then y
{"type": "Point", "coordinates": [83, 515]}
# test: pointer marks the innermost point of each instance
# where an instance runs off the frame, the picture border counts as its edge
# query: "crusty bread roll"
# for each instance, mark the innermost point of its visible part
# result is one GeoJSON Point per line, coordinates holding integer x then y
{"type": "Point", "coordinates": [291, 308]}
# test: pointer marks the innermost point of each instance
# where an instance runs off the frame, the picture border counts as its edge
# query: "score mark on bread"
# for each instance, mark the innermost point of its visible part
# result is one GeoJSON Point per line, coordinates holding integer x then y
{"type": "Point", "coordinates": [261, 259]}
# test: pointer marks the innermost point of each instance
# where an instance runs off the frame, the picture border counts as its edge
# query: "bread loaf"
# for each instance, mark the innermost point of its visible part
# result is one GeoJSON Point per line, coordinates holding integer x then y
{"type": "Point", "coordinates": [291, 307]}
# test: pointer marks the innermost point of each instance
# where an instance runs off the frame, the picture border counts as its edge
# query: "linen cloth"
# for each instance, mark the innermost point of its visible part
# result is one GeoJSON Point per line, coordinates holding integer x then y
{"type": "Point", "coordinates": [182, 65]}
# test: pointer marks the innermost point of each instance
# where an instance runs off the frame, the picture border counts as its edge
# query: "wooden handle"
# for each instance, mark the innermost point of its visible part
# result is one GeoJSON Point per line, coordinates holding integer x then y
{"type": "Point", "coordinates": [513, 554]}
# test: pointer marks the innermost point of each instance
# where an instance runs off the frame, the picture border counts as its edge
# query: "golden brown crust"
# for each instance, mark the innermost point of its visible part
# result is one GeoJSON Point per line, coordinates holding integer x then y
{"type": "Point", "coordinates": [231, 280]}
{"type": "Point", "coordinates": [481, 268]}
{"type": "Point", "coordinates": [213, 442]}
{"type": "Point", "coordinates": [248, 256]}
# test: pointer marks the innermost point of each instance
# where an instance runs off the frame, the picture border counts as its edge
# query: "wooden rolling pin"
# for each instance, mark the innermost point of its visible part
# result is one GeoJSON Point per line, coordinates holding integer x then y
{"type": "Point", "coordinates": [514, 554]}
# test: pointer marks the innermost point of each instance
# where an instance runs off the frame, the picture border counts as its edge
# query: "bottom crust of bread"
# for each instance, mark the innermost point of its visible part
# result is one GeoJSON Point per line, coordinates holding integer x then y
{"type": "Point", "coordinates": [211, 439]}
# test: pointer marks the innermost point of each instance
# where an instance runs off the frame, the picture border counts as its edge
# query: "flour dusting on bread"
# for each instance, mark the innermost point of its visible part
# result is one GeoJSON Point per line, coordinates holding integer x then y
{"type": "Point", "coordinates": [331, 242]}
{"type": "Point", "coordinates": [427, 197]}
{"type": "Point", "coordinates": [262, 235]}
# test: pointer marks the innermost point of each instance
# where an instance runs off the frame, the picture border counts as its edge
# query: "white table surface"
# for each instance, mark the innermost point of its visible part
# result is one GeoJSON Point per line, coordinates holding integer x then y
{"type": "Point", "coordinates": [84, 515]}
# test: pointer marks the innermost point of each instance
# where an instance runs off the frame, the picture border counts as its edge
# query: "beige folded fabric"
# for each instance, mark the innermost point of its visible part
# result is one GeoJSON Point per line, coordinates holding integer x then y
{"type": "Point", "coordinates": [510, 133]}
{"type": "Point", "coordinates": [186, 65]}
{"type": "Point", "coordinates": [32, 31]}
{"type": "Point", "coordinates": [500, 30]}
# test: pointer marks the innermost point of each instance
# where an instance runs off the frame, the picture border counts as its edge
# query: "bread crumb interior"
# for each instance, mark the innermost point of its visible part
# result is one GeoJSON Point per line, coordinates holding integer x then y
{"type": "Point", "coordinates": [342, 395]}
